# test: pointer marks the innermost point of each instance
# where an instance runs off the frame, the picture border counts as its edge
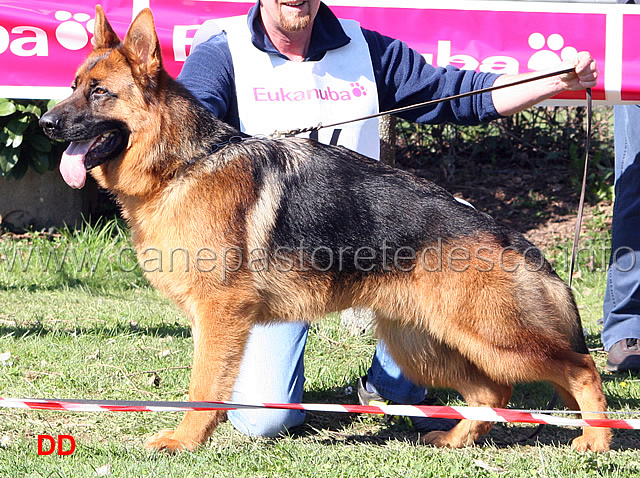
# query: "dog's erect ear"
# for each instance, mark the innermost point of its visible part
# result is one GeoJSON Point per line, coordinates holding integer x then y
{"type": "Point", "coordinates": [103, 34]}
{"type": "Point", "coordinates": [142, 49]}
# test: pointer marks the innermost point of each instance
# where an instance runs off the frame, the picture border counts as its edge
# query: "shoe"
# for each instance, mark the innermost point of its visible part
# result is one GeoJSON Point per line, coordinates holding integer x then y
{"type": "Point", "coordinates": [422, 425]}
{"type": "Point", "coordinates": [624, 356]}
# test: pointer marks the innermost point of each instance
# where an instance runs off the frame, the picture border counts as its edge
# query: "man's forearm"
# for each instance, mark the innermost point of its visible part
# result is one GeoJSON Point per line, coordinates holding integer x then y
{"type": "Point", "coordinates": [508, 101]}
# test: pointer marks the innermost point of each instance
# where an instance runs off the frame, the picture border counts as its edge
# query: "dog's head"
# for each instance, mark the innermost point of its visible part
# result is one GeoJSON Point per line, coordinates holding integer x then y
{"type": "Point", "coordinates": [112, 92]}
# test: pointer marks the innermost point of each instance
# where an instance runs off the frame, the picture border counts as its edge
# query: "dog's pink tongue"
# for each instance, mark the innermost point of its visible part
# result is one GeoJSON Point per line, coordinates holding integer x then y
{"type": "Point", "coordinates": [72, 166]}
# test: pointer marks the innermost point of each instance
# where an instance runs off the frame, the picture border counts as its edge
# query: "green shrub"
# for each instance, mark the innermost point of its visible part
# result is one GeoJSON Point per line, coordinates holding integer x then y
{"type": "Point", "coordinates": [22, 142]}
{"type": "Point", "coordinates": [536, 139]}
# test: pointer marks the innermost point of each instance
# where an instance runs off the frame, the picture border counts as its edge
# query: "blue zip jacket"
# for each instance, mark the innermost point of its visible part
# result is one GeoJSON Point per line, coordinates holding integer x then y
{"type": "Point", "coordinates": [402, 75]}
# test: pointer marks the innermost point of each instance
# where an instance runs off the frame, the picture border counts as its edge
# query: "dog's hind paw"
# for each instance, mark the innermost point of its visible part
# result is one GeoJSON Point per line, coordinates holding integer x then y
{"type": "Point", "coordinates": [441, 439]}
{"type": "Point", "coordinates": [165, 441]}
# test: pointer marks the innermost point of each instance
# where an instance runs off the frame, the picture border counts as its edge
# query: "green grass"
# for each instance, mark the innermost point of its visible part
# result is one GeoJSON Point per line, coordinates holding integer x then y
{"type": "Point", "coordinates": [92, 330]}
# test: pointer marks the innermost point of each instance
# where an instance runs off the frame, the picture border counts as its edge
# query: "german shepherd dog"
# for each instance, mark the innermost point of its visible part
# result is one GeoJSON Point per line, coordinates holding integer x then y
{"type": "Point", "coordinates": [283, 229]}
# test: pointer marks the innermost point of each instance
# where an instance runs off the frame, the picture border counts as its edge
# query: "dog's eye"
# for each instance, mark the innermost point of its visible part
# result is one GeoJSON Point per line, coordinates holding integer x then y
{"type": "Point", "coordinates": [98, 90]}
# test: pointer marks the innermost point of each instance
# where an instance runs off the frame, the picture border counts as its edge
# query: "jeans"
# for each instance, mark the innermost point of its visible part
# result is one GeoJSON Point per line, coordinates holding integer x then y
{"type": "Point", "coordinates": [622, 295]}
{"type": "Point", "coordinates": [272, 371]}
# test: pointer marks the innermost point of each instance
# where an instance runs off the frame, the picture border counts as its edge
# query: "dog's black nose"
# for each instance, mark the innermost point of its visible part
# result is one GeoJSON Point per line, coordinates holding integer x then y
{"type": "Point", "coordinates": [49, 122]}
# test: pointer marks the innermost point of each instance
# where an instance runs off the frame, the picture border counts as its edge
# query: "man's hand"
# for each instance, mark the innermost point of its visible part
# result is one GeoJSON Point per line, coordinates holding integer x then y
{"type": "Point", "coordinates": [586, 72]}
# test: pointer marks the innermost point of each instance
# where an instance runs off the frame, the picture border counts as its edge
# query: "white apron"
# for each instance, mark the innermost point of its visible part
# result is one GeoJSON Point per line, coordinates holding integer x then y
{"type": "Point", "coordinates": [277, 94]}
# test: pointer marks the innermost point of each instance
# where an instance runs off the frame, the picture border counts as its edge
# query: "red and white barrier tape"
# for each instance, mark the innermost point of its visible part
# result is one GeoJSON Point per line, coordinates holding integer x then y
{"type": "Point", "coordinates": [485, 414]}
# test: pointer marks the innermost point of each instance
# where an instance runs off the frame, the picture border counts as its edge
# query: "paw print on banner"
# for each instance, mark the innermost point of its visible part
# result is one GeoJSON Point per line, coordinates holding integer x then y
{"type": "Point", "coordinates": [70, 33]}
{"type": "Point", "coordinates": [542, 59]}
{"type": "Point", "coordinates": [358, 90]}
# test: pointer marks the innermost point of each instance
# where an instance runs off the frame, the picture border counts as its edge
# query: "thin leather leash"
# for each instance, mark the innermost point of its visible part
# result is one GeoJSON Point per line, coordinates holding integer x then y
{"type": "Point", "coordinates": [292, 132]}
{"type": "Point", "coordinates": [576, 235]}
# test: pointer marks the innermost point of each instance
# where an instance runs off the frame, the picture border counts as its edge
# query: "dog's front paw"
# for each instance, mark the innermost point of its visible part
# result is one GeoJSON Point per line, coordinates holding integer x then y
{"type": "Point", "coordinates": [165, 440]}
{"type": "Point", "coordinates": [589, 443]}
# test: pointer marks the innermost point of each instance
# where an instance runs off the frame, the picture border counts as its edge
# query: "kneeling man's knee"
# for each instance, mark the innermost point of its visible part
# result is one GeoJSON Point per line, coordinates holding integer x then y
{"type": "Point", "coordinates": [266, 423]}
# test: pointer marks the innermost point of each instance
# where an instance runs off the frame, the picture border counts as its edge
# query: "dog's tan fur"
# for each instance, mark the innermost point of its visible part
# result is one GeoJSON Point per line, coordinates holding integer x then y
{"type": "Point", "coordinates": [477, 330]}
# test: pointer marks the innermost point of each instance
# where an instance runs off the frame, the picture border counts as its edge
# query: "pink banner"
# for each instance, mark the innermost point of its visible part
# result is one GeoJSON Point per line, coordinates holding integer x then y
{"type": "Point", "coordinates": [43, 42]}
{"type": "Point", "coordinates": [631, 59]}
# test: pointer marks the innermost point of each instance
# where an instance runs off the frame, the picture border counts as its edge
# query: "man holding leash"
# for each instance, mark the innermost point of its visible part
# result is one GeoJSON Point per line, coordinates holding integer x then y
{"type": "Point", "coordinates": [292, 64]}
